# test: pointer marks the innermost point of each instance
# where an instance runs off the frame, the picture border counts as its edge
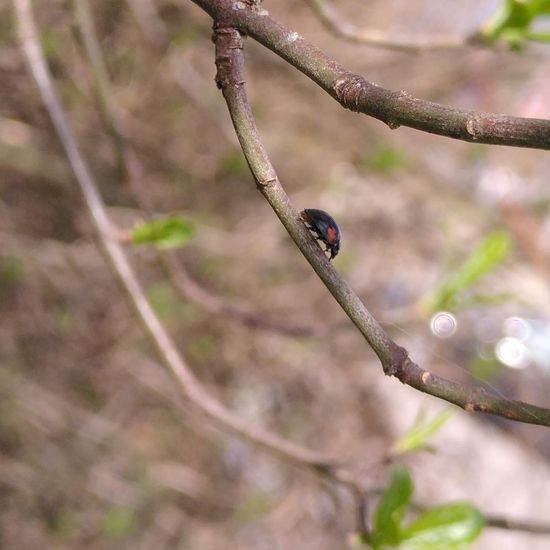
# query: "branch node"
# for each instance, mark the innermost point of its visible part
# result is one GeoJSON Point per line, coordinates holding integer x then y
{"type": "Point", "coordinates": [266, 182]}
{"type": "Point", "coordinates": [397, 364]}
{"type": "Point", "coordinates": [226, 38]}
{"type": "Point", "coordinates": [292, 37]}
{"type": "Point", "coordinates": [350, 91]}
{"type": "Point", "coordinates": [472, 127]}
{"type": "Point", "coordinates": [253, 5]}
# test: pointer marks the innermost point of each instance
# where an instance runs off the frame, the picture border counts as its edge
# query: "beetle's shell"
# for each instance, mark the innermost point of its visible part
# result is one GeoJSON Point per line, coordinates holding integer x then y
{"type": "Point", "coordinates": [326, 228]}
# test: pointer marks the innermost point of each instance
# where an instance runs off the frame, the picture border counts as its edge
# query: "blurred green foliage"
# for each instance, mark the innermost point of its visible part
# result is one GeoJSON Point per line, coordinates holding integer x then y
{"type": "Point", "coordinates": [513, 22]}
{"type": "Point", "coordinates": [164, 234]}
{"type": "Point", "coordinates": [167, 305]}
{"type": "Point", "coordinates": [118, 522]}
{"type": "Point", "coordinates": [421, 431]}
{"type": "Point", "coordinates": [11, 270]}
{"type": "Point", "coordinates": [385, 160]}
{"type": "Point", "coordinates": [202, 347]}
{"type": "Point", "coordinates": [484, 259]}
{"type": "Point", "coordinates": [64, 317]}
{"type": "Point", "coordinates": [64, 523]}
{"type": "Point", "coordinates": [253, 507]}
{"type": "Point", "coordinates": [233, 163]}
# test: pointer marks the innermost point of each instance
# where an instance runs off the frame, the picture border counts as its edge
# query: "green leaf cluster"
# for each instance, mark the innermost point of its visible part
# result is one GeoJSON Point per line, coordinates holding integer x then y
{"type": "Point", "coordinates": [514, 20]}
{"type": "Point", "coordinates": [486, 257]}
{"type": "Point", "coordinates": [164, 234]}
{"type": "Point", "coordinates": [446, 527]}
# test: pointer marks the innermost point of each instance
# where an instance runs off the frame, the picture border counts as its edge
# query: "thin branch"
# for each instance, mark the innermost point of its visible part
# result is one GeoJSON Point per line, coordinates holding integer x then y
{"type": "Point", "coordinates": [192, 388]}
{"type": "Point", "coordinates": [149, 20]}
{"type": "Point", "coordinates": [413, 44]}
{"type": "Point", "coordinates": [354, 92]}
{"type": "Point", "coordinates": [193, 291]}
{"type": "Point", "coordinates": [133, 171]}
{"type": "Point", "coordinates": [500, 522]}
{"type": "Point", "coordinates": [182, 71]}
{"type": "Point", "coordinates": [395, 359]}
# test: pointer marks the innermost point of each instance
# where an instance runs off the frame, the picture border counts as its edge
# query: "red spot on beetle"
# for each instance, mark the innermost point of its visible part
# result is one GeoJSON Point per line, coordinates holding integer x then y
{"type": "Point", "coordinates": [332, 235]}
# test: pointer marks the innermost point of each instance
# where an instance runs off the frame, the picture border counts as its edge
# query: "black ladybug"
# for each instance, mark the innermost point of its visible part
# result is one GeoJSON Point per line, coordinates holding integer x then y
{"type": "Point", "coordinates": [325, 228]}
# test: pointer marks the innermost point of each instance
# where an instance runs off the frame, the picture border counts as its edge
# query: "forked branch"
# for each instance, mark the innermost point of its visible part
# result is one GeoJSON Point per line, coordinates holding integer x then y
{"type": "Point", "coordinates": [352, 91]}
{"type": "Point", "coordinates": [395, 359]}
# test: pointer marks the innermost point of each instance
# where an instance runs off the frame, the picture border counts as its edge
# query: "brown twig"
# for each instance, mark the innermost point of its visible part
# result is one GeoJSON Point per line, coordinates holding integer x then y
{"type": "Point", "coordinates": [500, 522]}
{"type": "Point", "coordinates": [191, 386]}
{"type": "Point", "coordinates": [395, 359]}
{"type": "Point", "coordinates": [354, 92]}
{"type": "Point", "coordinates": [413, 44]}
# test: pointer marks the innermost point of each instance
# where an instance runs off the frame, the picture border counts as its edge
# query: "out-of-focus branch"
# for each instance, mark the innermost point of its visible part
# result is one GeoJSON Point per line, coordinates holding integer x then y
{"type": "Point", "coordinates": [151, 24]}
{"type": "Point", "coordinates": [189, 288]}
{"type": "Point", "coordinates": [133, 171]}
{"type": "Point", "coordinates": [332, 20]}
{"type": "Point", "coordinates": [182, 71]}
{"type": "Point", "coordinates": [192, 388]}
{"type": "Point", "coordinates": [354, 92]}
{"type": "Point", "coordinates": [395, 359]}
{"type": "Point", "coordinates": [500, 522]}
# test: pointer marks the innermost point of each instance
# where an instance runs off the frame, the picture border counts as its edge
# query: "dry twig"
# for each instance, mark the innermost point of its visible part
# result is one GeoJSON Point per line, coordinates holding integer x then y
{"type": "Point", "coordinates": [414, 44]}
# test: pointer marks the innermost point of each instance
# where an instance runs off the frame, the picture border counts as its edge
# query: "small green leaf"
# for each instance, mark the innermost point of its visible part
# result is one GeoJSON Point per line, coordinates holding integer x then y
{"type": "Point", "coordinates": [391, 509]}
{"type": "Point", "coordinates": [163, 234]}
{"type": "Point", "coordinates": [419, 434]}
{"type": "Point", "coordinates": [486, 257]}
{"type": "Point", "coordinates": [446, 527]}
{"type": "Point", "coordinates": [513, 15]}
{"type": "Point", "coordinates": [513, 20]}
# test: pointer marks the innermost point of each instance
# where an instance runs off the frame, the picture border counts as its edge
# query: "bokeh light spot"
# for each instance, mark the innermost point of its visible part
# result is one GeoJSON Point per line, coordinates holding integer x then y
{"type": "Point", "coordinates": [512, 353]}
{"type": "Point", "coordinates": [443, 324]}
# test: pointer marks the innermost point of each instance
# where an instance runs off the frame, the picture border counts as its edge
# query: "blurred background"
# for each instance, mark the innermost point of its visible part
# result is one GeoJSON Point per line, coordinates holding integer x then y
{"type": "Point", "coordinates": [447, 243]}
